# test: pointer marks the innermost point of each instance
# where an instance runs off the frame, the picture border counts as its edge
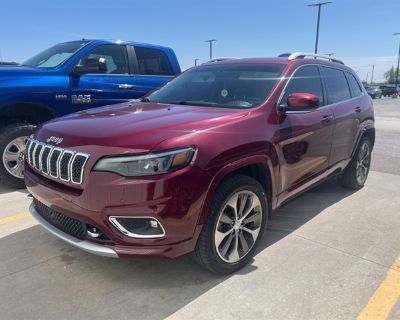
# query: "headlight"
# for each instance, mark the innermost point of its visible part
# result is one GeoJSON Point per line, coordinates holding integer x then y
{"type": "Point", "coordinates": [145, 165]}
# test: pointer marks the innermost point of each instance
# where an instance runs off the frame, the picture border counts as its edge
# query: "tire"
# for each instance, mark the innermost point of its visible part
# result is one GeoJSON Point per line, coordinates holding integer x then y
{"type": "Point", "coordinates": [350, 177]}
{"type": "Point", "coordinates": [12, 151]}
{"type": "Point", "coordinates": [222, 258]}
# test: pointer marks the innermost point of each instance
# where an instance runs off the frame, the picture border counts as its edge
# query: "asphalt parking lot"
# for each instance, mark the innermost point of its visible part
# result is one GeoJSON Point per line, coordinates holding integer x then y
{"type": "Point", "coordinates": [330, 254]}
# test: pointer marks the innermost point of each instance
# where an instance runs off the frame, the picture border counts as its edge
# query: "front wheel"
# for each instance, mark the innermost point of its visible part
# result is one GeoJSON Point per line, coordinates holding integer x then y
{"type": "Point", "coordinates": [12, 149]}
{"type": "Point", "coordinates": [234, 226]}
{"type": "Point", "coordinates": [356, 173]}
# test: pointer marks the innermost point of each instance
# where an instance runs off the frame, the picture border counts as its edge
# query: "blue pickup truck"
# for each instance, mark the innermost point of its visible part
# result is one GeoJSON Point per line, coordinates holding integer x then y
{"type": "Point", "coordinates": [70, 77]}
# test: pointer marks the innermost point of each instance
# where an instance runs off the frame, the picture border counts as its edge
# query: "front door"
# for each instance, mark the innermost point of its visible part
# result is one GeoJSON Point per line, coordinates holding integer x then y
{"type": "Point", "coordinates": [113, 84]}
{"type": "Point", "coordinates": [305, 136]}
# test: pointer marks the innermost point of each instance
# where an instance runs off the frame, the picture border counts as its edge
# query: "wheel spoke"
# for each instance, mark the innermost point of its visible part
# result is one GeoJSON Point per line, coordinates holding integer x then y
{"type": "Point", "coordinates": [243, 242]}
{"type": "Point", "coordinates": [19, 143]}
{"type": "Point", "coordinates": [234, 255]}
{"type": "Point", "coordinates": [254, 218]}
{"type": "Point", "coordinates": [227, 245]}
{"type": "Point", "coordinates": [255, 205]}
{"type": "Point", "coordinates": [10, 156]}
{"type": "Point", "coordinates": [220, 236]}
{"type": "Point", "coordinates": [225, 219]}
{"type": "Point", "coordinates": [243, 199]}
{"type": "Point", "coordinates": [233, 202]}
{"type": "Point", "coordinates": [253, 233]}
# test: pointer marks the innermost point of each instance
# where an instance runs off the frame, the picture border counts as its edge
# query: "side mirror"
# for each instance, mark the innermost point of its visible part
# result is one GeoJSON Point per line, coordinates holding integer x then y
{"type": "Point", "coordinates": [302, 101]}
{"type": "Point", "coordinates": [90, 66]}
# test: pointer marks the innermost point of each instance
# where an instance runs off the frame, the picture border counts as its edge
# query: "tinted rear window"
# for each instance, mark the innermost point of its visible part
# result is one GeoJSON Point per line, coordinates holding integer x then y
{"type": "Point", "coordinates": [153, 62]}
{"type": "Point", "coordinates": [336, 85]}
{"type": "Point", "coordinates": [355, 88]}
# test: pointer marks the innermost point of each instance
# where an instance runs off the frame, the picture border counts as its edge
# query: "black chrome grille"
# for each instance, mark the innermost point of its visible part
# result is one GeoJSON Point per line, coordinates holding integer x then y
{"type": "Point", "coordinates": [67, 224]}
{"type": "Point", "coordinates": [66, 165]}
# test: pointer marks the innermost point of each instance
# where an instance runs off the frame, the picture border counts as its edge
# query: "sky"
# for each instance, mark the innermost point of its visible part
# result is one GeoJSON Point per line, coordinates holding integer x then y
{"type": "Point", "coordinates": [360, 32]}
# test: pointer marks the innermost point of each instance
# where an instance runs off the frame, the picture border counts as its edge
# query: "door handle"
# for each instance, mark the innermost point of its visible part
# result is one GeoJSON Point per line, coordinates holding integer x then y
{"type": "Point", "coordinates": [326, 119]}
{"type": "Point", "coordinates": [357, 110]}
{"type": "Point", "coordinates": [125, 86]}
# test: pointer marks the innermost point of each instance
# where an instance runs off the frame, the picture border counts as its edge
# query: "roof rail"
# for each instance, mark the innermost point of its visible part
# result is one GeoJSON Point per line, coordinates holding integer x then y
{"type": "Point", "coordinates": [303, 55]}
{"type": "Point", "coordinates": [219, 59]}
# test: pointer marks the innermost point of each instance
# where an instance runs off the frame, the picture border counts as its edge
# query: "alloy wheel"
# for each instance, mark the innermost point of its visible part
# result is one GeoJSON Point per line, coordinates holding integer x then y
{"type": "Point", "coordinates": [13, 156]}
{"type": "Point", "coordinates": [238, 226]}
{"type": "Point", "coordinates": [363, 162]}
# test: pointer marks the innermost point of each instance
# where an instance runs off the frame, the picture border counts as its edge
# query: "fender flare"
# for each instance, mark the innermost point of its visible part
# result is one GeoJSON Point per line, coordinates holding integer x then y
{"type": "Point", "coordinates": [261, 159]}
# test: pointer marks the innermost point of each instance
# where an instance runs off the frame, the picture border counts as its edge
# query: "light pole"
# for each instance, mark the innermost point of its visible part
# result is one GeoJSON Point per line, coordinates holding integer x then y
{"type": "Point", "coordinates": [330, 54]}
{"type": "Point", "coordinates": [211, 43]}
{"type": "Point", "coordinates": [366, 80]}
{"type": "Point", "coordinates": [398, 61]}
{"type": "Point", "coordinates": [195, 61]}
{"type": "Point", "coordinates": [319, 5]}
{"type": "Point", "coordinates": [372, 74]}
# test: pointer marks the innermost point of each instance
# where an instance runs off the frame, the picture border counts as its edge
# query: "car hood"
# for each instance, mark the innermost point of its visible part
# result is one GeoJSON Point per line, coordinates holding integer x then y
{"type": "Point", "coordinates": [9, 71]}
{"type": "Point", "coordinates": [138, 126]}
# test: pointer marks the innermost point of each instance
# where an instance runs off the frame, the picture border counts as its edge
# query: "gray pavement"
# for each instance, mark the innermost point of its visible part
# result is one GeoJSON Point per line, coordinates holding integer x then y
{"type": "Point", "coordinates": [323, 256]}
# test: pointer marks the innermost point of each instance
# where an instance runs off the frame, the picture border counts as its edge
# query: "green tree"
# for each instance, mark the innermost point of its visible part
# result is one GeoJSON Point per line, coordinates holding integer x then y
{"type": "Point", "coordinates": [390, 75]}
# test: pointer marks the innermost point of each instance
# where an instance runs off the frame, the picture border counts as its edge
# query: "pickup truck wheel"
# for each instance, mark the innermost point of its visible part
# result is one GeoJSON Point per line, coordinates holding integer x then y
{"type": "Point", "coordinates": [356, 173]}
{"type": "Point", "coordinates": [234, 226]}
{"type": "Point", "coordinates": [12, 149]}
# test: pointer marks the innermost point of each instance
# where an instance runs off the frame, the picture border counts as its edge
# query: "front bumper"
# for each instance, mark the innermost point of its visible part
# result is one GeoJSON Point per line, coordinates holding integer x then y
{"type": "Point", "coordinates": [175, 199]}
{"type": "Point", "coordinates": [85, 245]}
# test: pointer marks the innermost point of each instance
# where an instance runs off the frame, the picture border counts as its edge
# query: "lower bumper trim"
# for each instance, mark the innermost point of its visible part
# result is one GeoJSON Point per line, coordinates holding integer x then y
{"type": "Point", "coordinates": [81, 244]}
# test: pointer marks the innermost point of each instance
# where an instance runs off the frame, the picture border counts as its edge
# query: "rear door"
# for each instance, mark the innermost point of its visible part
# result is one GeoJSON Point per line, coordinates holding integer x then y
{"type": "Point", "coordinates": [346, 108]}
{"type": "Point", "coordinates": [113, 85]}
{"type": "Point", "coordinates": [152, 69]}
{"type": "Point", "coordinates": [305, 136]}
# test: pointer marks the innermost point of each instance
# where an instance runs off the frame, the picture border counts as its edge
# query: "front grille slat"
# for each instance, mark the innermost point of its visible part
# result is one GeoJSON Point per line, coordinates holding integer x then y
{"type": "Point", "coordinates": [58, 163]}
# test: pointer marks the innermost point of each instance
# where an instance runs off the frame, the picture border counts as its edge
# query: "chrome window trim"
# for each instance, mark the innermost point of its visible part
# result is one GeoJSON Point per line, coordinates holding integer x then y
{"type": "Point", "coordinates": [68, 165]}
{"type": "Point", "coordinates": [83, 166]}
{"type": "Point", "coordinates": [319, 108]}
{"type": "Point", "coordinates": [120, 228]}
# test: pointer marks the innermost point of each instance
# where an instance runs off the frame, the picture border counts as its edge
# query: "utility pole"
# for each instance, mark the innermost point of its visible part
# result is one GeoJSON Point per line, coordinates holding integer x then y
{"type": "Point", "coordinates": [211, 44]}
{"type": "Point", "coordinates": [319, 5]}
{"type": "Point", "coordinates": [366, 80]}
{"type": "Point", "coordinates": [195, 61]}
{"type": "Point", "coordinates": [372, 74]}
{"type": "Point", "coordinates": [398, 61]}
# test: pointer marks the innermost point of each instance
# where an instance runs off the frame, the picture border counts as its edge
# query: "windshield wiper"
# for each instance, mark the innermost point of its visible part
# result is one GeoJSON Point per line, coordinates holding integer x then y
{"type": "Point", "coordinates": [193, 103]}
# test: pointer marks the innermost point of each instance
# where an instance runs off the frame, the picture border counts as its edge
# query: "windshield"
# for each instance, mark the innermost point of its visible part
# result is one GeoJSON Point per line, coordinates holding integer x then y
{"type": "Point", "coordinates": [54, 56]}
{"type": "Point", "coordinates": [226, 85]}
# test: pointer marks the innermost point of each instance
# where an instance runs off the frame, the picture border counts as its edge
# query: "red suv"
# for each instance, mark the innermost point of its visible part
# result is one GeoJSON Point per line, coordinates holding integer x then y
{"type": "Point", "coordinates": [199, 164]}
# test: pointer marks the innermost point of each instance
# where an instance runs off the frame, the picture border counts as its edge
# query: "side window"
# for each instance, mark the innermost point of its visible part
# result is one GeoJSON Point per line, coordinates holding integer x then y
{"type": "Point", "coordinates": [336, 85]}
{"type": "Point", "coordinates": [355, 88]}
{"type": "Point", "coordinates": [111, 58]}
{"type": "Point", "coordinates": [305, 80]}
{"type": "Point", "coordinates": [153, 62]}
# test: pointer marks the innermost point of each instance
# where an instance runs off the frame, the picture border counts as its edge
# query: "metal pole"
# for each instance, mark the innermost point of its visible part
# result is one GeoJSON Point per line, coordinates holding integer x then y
{"type": "Point", "coordinates": [372, 74]}
{"type": "Point", "coordinates": [211, 42]}
{"type": "Point", "coordinates": [318, 20]}
{"type": "Point", "coordinates": [366, 80]}
{"type": "Point", "coordinates": [195, 61]}
{"type": "Point", "coordinates": [398, 62]}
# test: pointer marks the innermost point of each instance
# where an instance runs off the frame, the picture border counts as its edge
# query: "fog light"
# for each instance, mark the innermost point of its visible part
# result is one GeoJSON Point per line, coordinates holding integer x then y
{"type": "Point", "coordinates": [153, 224]}
{"type": "Point", "coordinates": [138, 227]}
{"type": "Point", "coordinates": [92, 231]}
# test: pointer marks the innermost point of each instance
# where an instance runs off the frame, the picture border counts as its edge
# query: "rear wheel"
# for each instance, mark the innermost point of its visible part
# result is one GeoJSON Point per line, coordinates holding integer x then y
{"type": "Point", "coordinates": [12, 149]}
{"type": "Point", "coordinates": [234, 226]}
{"type": "Point", "coordinates": [356, 173]}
